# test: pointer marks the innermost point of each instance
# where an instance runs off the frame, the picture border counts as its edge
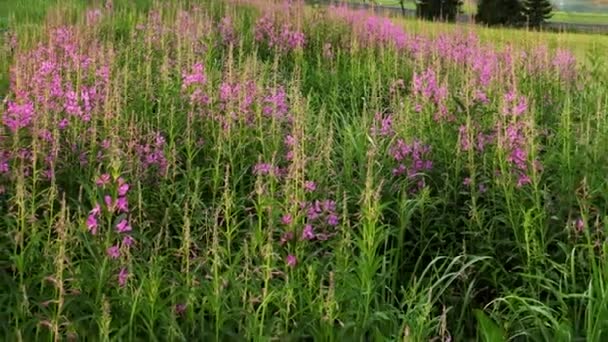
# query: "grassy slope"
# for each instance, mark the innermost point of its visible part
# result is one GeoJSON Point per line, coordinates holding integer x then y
{"type": "Point", "coordinates": [558, 16]}
{"type": "Point", "coordinates": [579, 43]}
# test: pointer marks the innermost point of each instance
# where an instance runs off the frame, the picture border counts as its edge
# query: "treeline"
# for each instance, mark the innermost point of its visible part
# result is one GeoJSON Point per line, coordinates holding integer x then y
{"type": "Point", "coordinates": [530, 13]}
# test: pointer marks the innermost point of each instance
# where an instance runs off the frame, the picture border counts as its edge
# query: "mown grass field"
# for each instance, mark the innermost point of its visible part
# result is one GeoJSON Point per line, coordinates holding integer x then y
{"type": "Point", "coordinates": [253, 170]}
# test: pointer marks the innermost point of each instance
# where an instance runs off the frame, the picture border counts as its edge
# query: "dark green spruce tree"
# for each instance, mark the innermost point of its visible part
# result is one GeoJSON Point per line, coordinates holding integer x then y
{"type": "Point", "coordinates": [537, 11]}
{"type": "Point", "coordinates": [444, 10]}
{"type": "Point", "coordinates": [500, 12]}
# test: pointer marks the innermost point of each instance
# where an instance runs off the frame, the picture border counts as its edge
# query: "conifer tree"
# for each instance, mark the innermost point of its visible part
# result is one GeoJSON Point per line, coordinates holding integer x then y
{"type": "Point", "coordinates": [537, 11]}
{"type": "Point", "coordinates": [446, 10]}
{"type": "Point", "coordinates": [500, 12]}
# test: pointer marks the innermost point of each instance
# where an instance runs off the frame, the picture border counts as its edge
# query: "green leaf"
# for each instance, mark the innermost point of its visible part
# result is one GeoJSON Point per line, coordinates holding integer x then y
{"type": "Point", "coordinates": [488, 330]}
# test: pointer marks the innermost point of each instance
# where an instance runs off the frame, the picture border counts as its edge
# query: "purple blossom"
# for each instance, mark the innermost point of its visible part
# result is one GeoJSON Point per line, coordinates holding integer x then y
{"type": "Point", "coordinates": [113, 252]}
{"type": "Point", "coordinates": [412, 159]}
{"type": "Point", "coordinates": [579, 224]}
{"type": "Point", "coordinates": [286, 237]}
{"type": "Point", "coordinates": [383, 125]}
{"type": "Point", "coordinates": [123, 226]}
{"type": "Point", "coordinates": [265, 169]}
{"type": "Point", "coordinates": [122, 205]}
{"type": "Point", "coordinates": [123, 189]}
{"type": "Point", "coordinates": [291, 260]}
{"type": "Point", "coordinates": [196, 76]}
{"type": "Point", "coordinates": [333, 220]}
{"type": "Point", "coordinates": [286, 219]}
{"type": "Point", "coordinates": [310, 186]}
{"type": "Point", "coordinates": [226, 29]}
{"type": "Point", "coordinates": [308, 232]}
{"type": "Point", "coordinates": [276, 103]}
{"type": "Point", "coordinates": [96, 209]}
{"type": "Point", "coordinates": [128, 241]}
{"type": "Point", "coordinates": [18, 116]}
{"type": "Point", "coordinates": [123, 276]}
{"type": "Point", "coordinates": [523, 180]}
{"type": "Point", "coordinates": [103, 180]}
{"type": "Point", "coordinates": [109, 203]}
{"type": "Point", "coordinates": [92, 224]}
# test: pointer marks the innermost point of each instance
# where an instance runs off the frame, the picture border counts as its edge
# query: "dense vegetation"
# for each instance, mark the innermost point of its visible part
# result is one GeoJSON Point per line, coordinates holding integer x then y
{"type": "Point", "coordinates": [205, 170]}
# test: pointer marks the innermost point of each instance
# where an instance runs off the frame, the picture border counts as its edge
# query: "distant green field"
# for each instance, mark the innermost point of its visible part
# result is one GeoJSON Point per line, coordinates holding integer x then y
{"type": "Point", "coordinates": [558, 16]}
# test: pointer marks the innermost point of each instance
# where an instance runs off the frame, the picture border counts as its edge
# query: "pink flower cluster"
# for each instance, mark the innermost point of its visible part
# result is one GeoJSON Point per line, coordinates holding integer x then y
{"type": "Point", "coordinates": [18, 116]}
{"type": "Point", "coordinates": [383, 125]}
{"type": "Point", "coordinates": [513, 139]}
{"type": "Point", "coordinates": [480, 141]}
{"type": "Point", "coordinates": [283, 37]}
{"type": "Point", "coordinates": [151, 154]}
{"type": "Point", "coordinates": [193, 82]}
{"type": "Point", "coordinates": [226, 29]}
{"type": "Point", "coordinates": [321, 220]}
{"type": "Point", "coordinates": [412, 159]}
{"type": "Point", "coordinates": [275, 103]}
{"type": "Point", "coordinates": [426, 87]}
{"type": "Point", "coordinates": [266, 169]}
{"type": "Point", "coordinates": [116, 205]}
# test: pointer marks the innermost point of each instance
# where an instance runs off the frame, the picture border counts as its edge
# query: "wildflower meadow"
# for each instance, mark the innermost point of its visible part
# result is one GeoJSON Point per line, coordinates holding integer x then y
{"type": "Point", "coordinates": [249, 170]}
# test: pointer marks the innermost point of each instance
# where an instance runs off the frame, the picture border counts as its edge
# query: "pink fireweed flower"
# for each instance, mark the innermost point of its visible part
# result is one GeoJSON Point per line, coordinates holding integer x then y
{"type": "Point", "coordinates": [276, 103]}
{"type": "Point", "coordinates": [128, 241]}
{"type": "Point", "coordinates": [465, 144]}
{"type": "Point", "coordinates": [195, 76]}
{"type": "Point", "coordinates": [291, 260]}
{"type": "Point", "coordinates": [514, 104]}
{"type": "Point", "coordinates": [109, 203]}
{"type": "Point", "coordinates": [93, 17]}
{"type": "Point", "coordinates": [383, 125]}
{"type": "Point", "coordinates": [308, 232]}
{"type": "Point", "coordinates": [481, 97]}
{"type": "Point", "coordinates": [113, 252]}
{"type": "Point", "coordinates": [122, 205]}
{"type": "Point", "coordinates": [467, 181]}
{"type": "Point", "coordinates": [103, 180]}
{"type": "Point", "coordinates": [290, 140]}
{"type": "Point", "coordinates": [286, 219]}
{"type": "Point", "coordinates": [18, 116]}
{"type": "Point", "coordinates": [92, 224]}
{"type": "Point", "coordinates": [289, 155]}
{"type": "Point", "coordinates": [286, 237]}
{"type": "Point", "coordinates": [123, 189]}
{"type": "Point", "coordinates": [333, 220]}
{"type": "Point", "coordinates": [123, 275]}
{"type": "Point", "coordinates": [579, 224]}
{"type": "Point", "coordinates": [265, 169]}
{"type": "Point", "coordinates": [523, 180]}
{"type": "Point", "coordinates": [226, 30]}
{"type": "Point", "coordinates": [123, 226]}
{"type": "Point", "coordinates": [96, 210]}
{"type": "Point", "coordinates": [310, 186]}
